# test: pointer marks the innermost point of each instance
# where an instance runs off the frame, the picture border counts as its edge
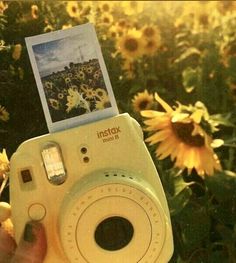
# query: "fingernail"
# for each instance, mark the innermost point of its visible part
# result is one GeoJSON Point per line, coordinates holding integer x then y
{"type": "Point", "coordinates": [29, 234]}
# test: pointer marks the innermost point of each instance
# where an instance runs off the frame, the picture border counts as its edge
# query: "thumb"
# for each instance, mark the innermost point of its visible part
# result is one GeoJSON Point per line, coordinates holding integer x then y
{"type": "Point", "coordinates": [7, 246]}
{"type": "Point", "coordinates": [32, 246]}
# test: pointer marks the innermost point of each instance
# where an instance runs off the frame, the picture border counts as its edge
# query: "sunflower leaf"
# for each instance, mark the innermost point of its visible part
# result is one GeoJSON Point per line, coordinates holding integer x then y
{"type": "Point", "coordinates": [222, 185]}
{"type": "Point", "coordinates": [194, 223]}
{"type": "Point", "coordinates": [222, 119]}
{"type": "Point", "coordinates": [187, 54]}
{"type": "Point", "coordinates": [191, 78]}
{"type": "Point", "coordinates": [180, 185]}
{"type": "Point", "coordinates": [179, 201]}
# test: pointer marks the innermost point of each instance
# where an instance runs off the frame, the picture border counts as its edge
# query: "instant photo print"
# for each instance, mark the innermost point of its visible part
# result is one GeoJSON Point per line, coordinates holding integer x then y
{"type": "Point", "coordinates": [71, 77]}
{"type": "Point", "coordinates": [91, 181]}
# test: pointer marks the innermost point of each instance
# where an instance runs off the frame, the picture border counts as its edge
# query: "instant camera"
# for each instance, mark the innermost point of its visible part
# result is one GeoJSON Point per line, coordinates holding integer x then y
{"type": "Point", "coordinates": [94, 185]}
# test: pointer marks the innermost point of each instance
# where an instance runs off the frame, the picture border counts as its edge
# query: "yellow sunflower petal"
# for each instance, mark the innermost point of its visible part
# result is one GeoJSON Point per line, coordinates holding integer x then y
{"type": "Point", "coordinates": [151, 113]}
{"type": "Point", "coordinates": [164, 149]}
{"type": "Point", "coordinates": [197, 116]}
{"type": "Point", "coordinates": [192, 158]}
{"type": "Point", "coordinates": [164, 104]}
{"type": "Point", "coordinates": [207, 161]}
{"type": "Point", "coordinates": [158, 136]}
{"type": "Point", "coordinates": [178, 116]}
{"type": "Point", "coordinates": [158, 123]}
{"type": "Point", "coordinates": [217, 143]}
{"type": "Point", "coordinates": [179, 162]}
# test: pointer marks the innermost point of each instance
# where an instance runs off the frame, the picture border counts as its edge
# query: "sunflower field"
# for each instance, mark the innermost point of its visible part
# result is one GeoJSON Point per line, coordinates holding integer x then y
{"type": "Point", "coordinates": [172, 66]}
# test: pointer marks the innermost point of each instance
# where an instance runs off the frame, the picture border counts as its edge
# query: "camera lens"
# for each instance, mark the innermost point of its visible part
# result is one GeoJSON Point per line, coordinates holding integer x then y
{"type": "Point", "coordinates": [114, 233]}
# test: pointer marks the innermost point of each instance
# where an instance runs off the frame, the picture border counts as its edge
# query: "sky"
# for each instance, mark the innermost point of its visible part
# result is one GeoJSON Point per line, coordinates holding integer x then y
{"type": "Point", "coordinates": [54, 55]}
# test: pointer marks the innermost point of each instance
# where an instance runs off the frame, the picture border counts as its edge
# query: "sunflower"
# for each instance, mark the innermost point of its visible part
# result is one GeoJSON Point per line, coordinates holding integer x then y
{"type": "Point", "coordinates": [48, 28]}
{"type": "Point", "coordinates": [150, 47]}
{"type": "Point", "coordinates": [4, 164]}
{"type": "Point", "coordinates": [199, 16]}
{"type": "Point", "coordinates": [232, 87]}
{"type": "Point", "coordinates": [105, 6]}
{"type": "Point", "coordinates": [132, 7]}
{"type": "Point", "coordinates": [106, 19]}
{"type": "Point", "coordinates": [66, 26]}
{"type": "Point", "coordinates": [48, 85]}
{"type": "Point", "coordinates": [180, 135]}
{"type": "Point", "coordinates": [86, 8]}
{"type": "Point", "coordinates": [17, 51]}
{"type": "Point", "coordinates": [75, 100]}
{"type": "Point", "coordinates": [225, 7]}
{"type": "Point", "coordinates": [60, 95]}
{"type": "Point", "coordinates": [128, 67]}
{"type": "Point", "coordinates": [112, 32]}
{"type": "Point", "coordinates": [97, 74]}
{"type": "Point", "coordinates": [4, 115]}
{"type": "Point", "coordinates": [88, 92]}
{"type": "Point", "coordinates": [89, 69]}
{"type": "Point", "coordinates": [103, 103]}
{"type": "Point", "coordinates": [3, 6]}
{"type": "Point", "coordinates": [80, 75]}
{"type": "Point", "coordinates": [54, 103]}
{"type": "Point", "coordinates": [150, 32]}
{"type": "Point", "coordinates": [227, 51]}
{"type": "Point", "coordinates": [152, 37]}
{"type": "Point", "coordinates": [72, 9]}
{"type": "Point", "coordinates": [100, 94]}
{"type": "Point", "coordinates": [142, 101]}
{"type": "Point", "coordinates": [131, 44]}
{"type": "Point", "coordinates": [34, 11]}
{"type": "Point", "coordinates": [122, 26]}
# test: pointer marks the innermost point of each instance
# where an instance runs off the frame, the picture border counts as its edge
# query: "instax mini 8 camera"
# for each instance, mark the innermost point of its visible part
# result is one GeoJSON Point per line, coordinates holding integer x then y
{"type": "Point", "coordinates": [96, 191]}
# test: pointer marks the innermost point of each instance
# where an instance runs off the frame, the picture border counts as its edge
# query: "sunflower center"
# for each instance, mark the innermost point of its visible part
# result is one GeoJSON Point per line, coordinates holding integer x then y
{"type": "Point", "coordinates": [203, 19]}
{"type": "Point", "coordinates": [74, 9]}
{"type": "Point", "coordinates": [232, 50]}
{"type": "Point", "coordinates": [184, 132]}
{"type": "Point", "coordinates": [149, 32]}
{"type": "Point", "coordinates": [150, 44]}
{"type": "Point", "coordinates": [106, 20]}
{"type": "Point", "coordinates": [143, 104]}
{"type": "Point", "coordinates": [131, 44]}
{"type": "Point", "coordinates": [105, 8]}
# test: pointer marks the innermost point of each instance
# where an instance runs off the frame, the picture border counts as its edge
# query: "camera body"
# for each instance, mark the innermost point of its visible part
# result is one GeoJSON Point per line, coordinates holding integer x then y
{"type": "Point", "coordinates": [97, 192]}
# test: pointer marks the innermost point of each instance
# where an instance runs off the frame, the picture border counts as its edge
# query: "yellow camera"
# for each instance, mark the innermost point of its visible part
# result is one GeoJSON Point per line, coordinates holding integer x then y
{"type": "Point", "coordinates": [97, 192]}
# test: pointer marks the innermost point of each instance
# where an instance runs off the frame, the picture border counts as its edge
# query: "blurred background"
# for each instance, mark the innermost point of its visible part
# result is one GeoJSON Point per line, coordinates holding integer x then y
{"type": "Point", "coordinates": [183, 51]}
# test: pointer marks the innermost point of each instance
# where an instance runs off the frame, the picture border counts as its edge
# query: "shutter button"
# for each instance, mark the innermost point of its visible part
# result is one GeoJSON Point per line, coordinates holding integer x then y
{"type": "Point", "coordinates": [37, 212]}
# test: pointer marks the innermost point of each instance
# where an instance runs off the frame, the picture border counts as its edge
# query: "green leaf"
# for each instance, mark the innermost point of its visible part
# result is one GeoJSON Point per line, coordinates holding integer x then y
{"type": "Point", "coordinates": [195, 224]}
{"type": "Point", "coordinates": [226, 234]}
{"type": "Point", "coordinates": [191, 78]}
{"type": "Point", "coordinates": [180, 184]}
{"type": "Point", "coordinates": [179, 201]}
{"type": "Point", "coordinates": [218, 256]}
{"type": "Point", "coordinates": [223, 119]}
{"type": "Point", "coordinates": [222, 185]}
{"type": "Point", "coordinates": [187, 54]}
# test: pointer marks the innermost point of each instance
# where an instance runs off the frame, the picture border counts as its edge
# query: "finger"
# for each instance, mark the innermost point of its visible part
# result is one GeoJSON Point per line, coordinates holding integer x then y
{"type": "Point", "coordinates": [7, 246]}
{"type": "Point", "coordinates": [32, 247]}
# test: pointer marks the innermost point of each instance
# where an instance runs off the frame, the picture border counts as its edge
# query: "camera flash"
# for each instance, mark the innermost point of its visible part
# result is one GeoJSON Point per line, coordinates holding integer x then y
{"type": "Point", "coordinates": [53, 163]}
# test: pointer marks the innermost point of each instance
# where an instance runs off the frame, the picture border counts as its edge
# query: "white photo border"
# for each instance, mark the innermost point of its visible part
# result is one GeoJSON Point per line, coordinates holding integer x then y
{"type": "Point", "coordinates": [83, 118]}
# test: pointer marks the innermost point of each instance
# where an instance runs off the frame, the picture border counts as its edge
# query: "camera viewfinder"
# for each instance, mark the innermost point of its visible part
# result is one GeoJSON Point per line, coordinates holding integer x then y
{"type": "Point", "coordinates": [53, 163]}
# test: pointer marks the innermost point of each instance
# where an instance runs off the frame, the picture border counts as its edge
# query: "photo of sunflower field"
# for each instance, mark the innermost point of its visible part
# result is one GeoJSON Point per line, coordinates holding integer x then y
{"type": "Point", "coordinates": [76, 90]}
{"type": "Point", "coordinates": [172, 66]}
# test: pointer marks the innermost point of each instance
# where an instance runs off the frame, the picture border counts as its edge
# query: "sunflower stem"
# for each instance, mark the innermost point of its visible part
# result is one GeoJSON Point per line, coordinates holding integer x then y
{"type": "Point", "coordinates": [230, 162]}
{"type": "Point", "coordinates": [229, 145]}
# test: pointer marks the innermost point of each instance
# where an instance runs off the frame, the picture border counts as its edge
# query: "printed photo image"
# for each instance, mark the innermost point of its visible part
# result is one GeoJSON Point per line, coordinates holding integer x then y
{"type": "Point", "coordinates": [71, 77]}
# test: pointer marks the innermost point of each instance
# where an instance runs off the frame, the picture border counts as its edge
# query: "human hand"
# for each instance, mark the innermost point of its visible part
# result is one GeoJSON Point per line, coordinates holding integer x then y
{"type": "Point", "coordinates": [31, 248]}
